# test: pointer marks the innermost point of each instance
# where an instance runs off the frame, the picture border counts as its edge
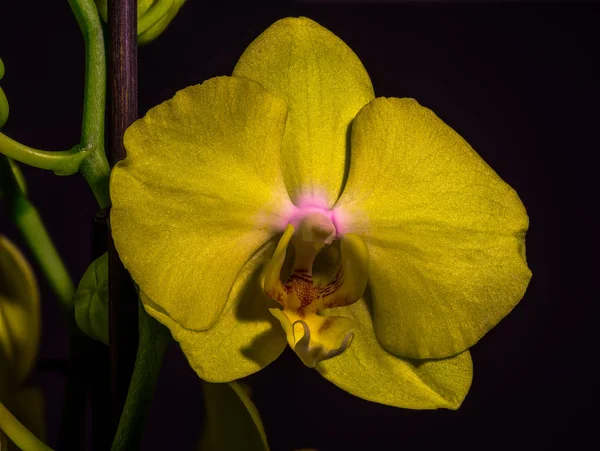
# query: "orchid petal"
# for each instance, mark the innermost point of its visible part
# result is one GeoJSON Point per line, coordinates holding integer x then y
{"type": "Point", "coordinates": [245, 338]}
{"type": "Point", "coordinates": [324, 85]}
{"type": "Point", "coordinates": [366, 370]}
{"type": "Point", "coordinates": [200, 191]}
{"type": "Point", "coordinates": [446, 235]}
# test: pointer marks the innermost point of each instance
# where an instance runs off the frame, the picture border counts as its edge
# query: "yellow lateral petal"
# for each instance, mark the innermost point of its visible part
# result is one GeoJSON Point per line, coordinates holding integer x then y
{"type": "Point", "coordinates": [199, 192]}
{"type": "Point", "coordinates": [19, 315]}
{"type": "Point", "coordinates": [446, 235]}
{"type": "Point", "coordinates": [245, 339]}
{"type": "Point", "coordinates": [366, 370]}
{"type": "Point", "coordinates": [324, 85]}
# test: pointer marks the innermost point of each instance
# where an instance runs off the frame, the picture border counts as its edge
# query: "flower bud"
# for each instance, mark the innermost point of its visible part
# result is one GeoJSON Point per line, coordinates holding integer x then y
{"type": "Point", "coordinates": [91, 300]}
{"type": "Point", "coordinates": [153, 16]}
{"type": "Point", "coordinates": [3, 100]}
{"type": "Point", "coordinates": [19, 316]}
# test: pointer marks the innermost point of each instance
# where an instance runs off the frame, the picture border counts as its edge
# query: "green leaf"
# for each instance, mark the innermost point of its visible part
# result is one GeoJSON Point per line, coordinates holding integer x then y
{"type": "Point", "coordinates": [91, 300]}
{"type": "Point", "coordinates": [232, 420]}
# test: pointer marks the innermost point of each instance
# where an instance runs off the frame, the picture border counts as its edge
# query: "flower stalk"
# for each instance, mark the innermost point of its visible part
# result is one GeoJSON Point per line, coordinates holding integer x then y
{"type": "Point", "coordinates": [88, 156]}
{"type": "Point", "coordinates": [123, 305]}
{"type": "Point", "coordinates": [27, 219]}
{"type": "Point", "coordinates": [19, 434]}
{"type": "Point", "coordinates": [95, 167]}
{"type": "Point", "coordinates": [153, 341]}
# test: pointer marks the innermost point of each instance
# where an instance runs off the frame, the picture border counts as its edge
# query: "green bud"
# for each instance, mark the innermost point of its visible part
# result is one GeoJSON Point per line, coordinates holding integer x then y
{"type": "Point", "coordinates": [91, 300]}
{"type": "Point", "coordinates": [3, 99]}
{"type": "Point", "coordinates": [153, 16]}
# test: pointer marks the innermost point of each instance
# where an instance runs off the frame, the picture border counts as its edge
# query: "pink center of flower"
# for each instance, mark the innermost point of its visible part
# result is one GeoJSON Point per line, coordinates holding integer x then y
{"type": "Point", "coordinates": [308, 206]}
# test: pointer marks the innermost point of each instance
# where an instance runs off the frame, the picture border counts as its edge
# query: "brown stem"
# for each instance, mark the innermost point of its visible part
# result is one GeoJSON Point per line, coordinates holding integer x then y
{"type": "Point", "coordinates": [123, 309]}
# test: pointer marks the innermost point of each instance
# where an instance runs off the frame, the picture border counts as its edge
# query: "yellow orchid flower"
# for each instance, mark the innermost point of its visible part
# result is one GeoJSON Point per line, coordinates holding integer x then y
{"type": "Point", "coordinates": [19, 339]}
{"type": "Point", "coordinates": [287, 204]}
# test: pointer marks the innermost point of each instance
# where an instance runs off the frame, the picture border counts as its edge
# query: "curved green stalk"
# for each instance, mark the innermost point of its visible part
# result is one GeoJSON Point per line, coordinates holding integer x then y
{"type": "Point", "coordinates": [154, 338]}
{"type": "Point", "coordinates": [153, 15]}
{"type": "Point", "coordinates": [62, 162]}
{"type": "Point", "coordinates": [88, 157]}
{"type": "Point", "coordinates": [32, 228]}
{"type": "Point", "coordinates": [29, 223]}
{"type": "Point", "coordinates": [19, 434]}
{"type": "Point", "coordinates": [94, 168]}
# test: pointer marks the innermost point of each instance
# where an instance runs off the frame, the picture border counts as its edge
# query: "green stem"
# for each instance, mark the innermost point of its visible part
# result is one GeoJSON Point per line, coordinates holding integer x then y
{"type": "Point", "coordinates": [153, 15]}
{"type": "Point", "coordinates": [88, 157]}
{"type": "Point", "coordinates": [154, 338]}
{"type": "Point", "coordinates": [95, 168]}
{"type": "Point", "coordinates": [96, 172]}
{"type": "Point", "coordinates": [29, 223]}
{"type": "Point", "coordinates": [19, 434]}
{"type": "Point", "coordinates": [63, 162]}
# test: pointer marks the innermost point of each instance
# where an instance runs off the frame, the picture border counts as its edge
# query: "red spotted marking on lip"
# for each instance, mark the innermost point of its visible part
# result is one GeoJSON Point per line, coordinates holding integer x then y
{"type": "Point", "coordinates": [303, 277]}
{"type": "Point", "coordinates": [335, 284]}
{"type": "Point", "coordinates": [300, 281]}
{"type": "Point", "coordinates": [308, 293]}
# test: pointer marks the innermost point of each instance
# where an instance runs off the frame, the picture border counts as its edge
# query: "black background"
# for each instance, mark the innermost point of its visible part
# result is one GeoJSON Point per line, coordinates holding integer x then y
{"type": "Point", "coordinates": [518, 81]}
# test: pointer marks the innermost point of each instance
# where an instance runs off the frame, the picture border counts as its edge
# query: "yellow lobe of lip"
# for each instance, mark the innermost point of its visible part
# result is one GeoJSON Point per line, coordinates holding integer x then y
{"type": "Point", "coordinates": [312, 336]}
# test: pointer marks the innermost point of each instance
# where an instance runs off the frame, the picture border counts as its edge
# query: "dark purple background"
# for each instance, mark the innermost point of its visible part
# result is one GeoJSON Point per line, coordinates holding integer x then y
{"type": "Point", "coordinates": [519, 82]}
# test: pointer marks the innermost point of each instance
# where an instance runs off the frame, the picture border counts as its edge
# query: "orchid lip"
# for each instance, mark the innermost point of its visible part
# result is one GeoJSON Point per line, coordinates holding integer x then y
{"type": "Point", "coordinates": [310, 228]}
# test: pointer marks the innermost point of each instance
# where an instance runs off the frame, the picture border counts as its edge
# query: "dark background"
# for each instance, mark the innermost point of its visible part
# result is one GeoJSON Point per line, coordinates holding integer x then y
{"type": "Point", "coordinates": [518, 81]}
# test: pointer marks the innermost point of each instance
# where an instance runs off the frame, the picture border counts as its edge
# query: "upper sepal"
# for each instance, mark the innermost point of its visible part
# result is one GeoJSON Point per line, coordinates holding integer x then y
{"type": "Point", "coordinates": [324, 85]}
